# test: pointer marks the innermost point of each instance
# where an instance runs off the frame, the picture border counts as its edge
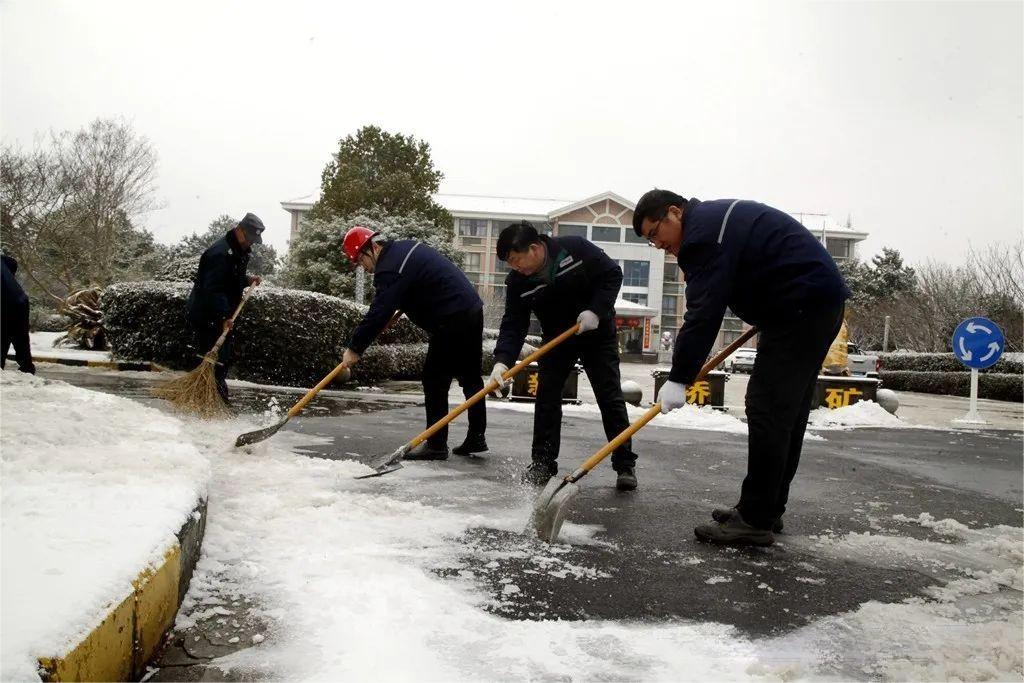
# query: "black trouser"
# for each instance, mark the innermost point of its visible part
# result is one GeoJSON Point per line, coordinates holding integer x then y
{"type": "Point", "coordinates": [779, 394]}
{"type": "Point", "coordinates": [455, 351]}
{"type": "Point", "coordinates": [599, 352]}
{"type": "Point", "coordinates": [14, 330]}
{"type": "Point", "coordinates": [207, 335]}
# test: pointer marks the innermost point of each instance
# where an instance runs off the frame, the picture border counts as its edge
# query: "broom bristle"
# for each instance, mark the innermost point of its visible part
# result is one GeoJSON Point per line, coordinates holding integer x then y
{"type": "Point", "coordinates": [195, 392]}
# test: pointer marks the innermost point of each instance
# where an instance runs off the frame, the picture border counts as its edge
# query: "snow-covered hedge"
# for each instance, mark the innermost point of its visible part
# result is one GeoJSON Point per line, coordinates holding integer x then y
{"type": "Point", "coordinates": [941, 362]}
{"type": "Point", "coordinates": [284, 336]}
{"type": "Point", "coordinates": [994, 385]}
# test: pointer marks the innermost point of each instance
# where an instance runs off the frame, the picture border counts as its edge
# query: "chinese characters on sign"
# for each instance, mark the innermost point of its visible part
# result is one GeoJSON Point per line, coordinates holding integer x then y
{"type": "Point", "coordinates": [698, 393]}
{"type": "Point", "coordinates": [836, 397]}
{"type": "Point", "coordinates": [531, 384]}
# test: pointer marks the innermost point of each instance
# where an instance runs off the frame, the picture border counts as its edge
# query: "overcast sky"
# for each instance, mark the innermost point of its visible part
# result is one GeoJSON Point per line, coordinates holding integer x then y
{"type": "Point", "coordinates": [906, 116]}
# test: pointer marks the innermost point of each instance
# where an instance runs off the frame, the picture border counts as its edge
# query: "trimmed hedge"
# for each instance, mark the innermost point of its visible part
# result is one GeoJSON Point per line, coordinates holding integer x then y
{"type": "Point", "coordinates": [942, 362]}
{"type": "Point", "coordinates": [283, 336]}
{"type": "Point", "coordinates": [998, 386]}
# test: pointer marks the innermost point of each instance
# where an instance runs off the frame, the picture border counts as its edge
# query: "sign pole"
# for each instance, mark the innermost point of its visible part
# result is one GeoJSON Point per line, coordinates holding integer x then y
{"type": "Point", "coordinates": [972, 417]}
{"type": "Point", "coordinates": [977, 343]}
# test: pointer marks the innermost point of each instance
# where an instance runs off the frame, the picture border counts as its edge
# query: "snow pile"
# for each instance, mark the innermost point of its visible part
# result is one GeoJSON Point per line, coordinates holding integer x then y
{"type": "Point", "coordinates": [686, 417]}
{"type": "Point", "coordinates": [94, 488]}
{"type": "Point", "coordinates": [860, 414]}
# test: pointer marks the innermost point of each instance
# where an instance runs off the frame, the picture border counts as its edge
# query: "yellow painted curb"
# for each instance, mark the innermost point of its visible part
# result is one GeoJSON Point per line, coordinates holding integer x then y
{"type": "Point", "coordinates": [127, 639]}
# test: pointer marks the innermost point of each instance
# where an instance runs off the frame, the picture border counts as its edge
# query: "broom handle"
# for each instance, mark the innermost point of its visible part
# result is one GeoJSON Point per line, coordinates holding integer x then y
{"type": "Point", "coordinates": [491, 386]}
{"type": "Point", "coordinates": [224, 335]}
{"type": "Point", "coordinates": [653, 411]}
{"type": "Point", "coordinates": [304, 401]}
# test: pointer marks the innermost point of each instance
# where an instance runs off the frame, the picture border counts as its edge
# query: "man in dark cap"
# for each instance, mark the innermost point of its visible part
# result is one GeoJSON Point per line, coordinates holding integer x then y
{"type": "Point", "coordinates": [14, 318]}
{"type": "Point", "coordinates": [218, 288]}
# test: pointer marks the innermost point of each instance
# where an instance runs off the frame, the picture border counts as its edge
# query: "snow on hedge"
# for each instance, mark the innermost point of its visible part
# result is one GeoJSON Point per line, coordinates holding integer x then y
{"type": "Point", "coordinates": [283, 336]}
{"type": "Point", "coordinates": [94, 488]}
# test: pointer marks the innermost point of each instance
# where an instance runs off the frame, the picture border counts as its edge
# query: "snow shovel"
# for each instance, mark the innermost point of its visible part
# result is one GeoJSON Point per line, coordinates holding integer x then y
{"type": "Point", "coordinates": [551, 507]}
{"type": "Point", "coordinates": [394, 461]}
{"type": "Point", "coordinates": [267, 432]}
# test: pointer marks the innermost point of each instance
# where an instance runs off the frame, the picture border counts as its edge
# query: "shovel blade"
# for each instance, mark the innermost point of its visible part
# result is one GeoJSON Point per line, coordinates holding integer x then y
{"type": "Point", "coordinates": [388, 464]}
{"type": "Point", "coordinates": [381, 471]}
{"type": "Point", "coordinates": [259, 435]}
{"type": "Point", "coordinates": [551, 507]}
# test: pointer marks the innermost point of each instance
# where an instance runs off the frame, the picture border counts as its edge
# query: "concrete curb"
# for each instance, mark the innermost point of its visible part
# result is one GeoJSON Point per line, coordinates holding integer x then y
{"type": "Point", "coordinates": [127, 639]}
{"type": "Point", "coordinates": [137, 366]}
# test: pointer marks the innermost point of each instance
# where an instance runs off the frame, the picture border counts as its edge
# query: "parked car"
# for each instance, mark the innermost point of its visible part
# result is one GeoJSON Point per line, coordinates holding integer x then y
{"type": "Point", "coordinates": [741, 360]}
{"type": "Point", "coordinates": [861, 364]}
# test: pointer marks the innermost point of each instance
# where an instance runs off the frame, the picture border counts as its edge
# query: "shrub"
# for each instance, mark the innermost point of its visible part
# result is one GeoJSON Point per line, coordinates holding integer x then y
{"type": "Point", "coordinates": [283, 336]}
{"type": "Point", "coordinates": [998, 386]}
{"type": "Point", "coordinates": [942, 362]}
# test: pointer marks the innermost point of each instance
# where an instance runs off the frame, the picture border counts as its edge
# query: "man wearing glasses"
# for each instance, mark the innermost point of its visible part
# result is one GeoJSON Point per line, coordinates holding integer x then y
{"type": "Point", "coordinates": [773, 274]}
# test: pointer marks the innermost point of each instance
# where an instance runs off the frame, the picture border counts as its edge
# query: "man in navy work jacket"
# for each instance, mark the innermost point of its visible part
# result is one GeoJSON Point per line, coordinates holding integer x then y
{"type": "Point", "coordinates": [218, 288]}
{"type": "Point", "coordinates": [411, 277]}
{"type": "Point", "coordinates": [773, 274]}
{"type": "Point", "coordinates": [563, 280]}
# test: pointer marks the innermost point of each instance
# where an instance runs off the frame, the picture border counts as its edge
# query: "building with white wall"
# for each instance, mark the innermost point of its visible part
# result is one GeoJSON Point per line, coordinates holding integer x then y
{"type": "Point", "coordinates": [652, 299]}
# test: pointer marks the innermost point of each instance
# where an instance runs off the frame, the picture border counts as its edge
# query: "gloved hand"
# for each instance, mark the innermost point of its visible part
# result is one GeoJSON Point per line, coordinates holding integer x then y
{"type": "Point", "coordinates": [588, 321]}
{"type": "Point", "coordinates": [496, 376]}
{"type": "Point", "coordinates": [672, 396]}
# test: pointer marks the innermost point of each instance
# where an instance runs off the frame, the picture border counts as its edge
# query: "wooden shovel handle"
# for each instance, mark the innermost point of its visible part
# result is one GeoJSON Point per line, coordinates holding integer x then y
{"type": "Point", "coordinates": [491, 386]}
{"type": "Point", "coordinates": [653, 411]}
{"type": "Point", "coordinates": [304, 401]}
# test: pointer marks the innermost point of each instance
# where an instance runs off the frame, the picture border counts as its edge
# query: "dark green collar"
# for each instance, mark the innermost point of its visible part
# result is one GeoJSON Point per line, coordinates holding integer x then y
{"type": "Point", "coordinates": [546, 275]}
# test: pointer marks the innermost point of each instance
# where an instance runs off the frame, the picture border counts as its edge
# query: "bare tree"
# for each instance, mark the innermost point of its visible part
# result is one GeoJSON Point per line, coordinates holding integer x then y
{"type": "Point", "coordinates": [69, 205]}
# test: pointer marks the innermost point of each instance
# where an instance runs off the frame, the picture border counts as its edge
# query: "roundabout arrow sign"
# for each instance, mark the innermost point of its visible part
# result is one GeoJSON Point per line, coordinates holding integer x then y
{"type": "Point", "coordinates": [978, 343]}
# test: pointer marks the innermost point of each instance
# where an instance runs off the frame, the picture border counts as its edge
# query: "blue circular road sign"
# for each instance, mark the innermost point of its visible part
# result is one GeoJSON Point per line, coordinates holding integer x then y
{"type": "Point", "coordinates": [978, 343]}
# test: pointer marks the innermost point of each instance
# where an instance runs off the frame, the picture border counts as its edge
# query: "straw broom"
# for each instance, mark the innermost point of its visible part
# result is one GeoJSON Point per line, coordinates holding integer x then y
{"type": "Point", "coordinates": [197, 392]}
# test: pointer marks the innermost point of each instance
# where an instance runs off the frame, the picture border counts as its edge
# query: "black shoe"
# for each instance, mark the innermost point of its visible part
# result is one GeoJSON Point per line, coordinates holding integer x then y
{"type": "Point", "coordinates": [722, 514]}
{"type": "Point", "coordinates": [474, 443]}
{"type": "Point", "coordinates": [626, 481]}
{"type": "Point", "coordinates": [538, 473]}
{"type": "Point", "coordinates": [734, 531]}
{"type": "Point", "coordinates": [427, 451]}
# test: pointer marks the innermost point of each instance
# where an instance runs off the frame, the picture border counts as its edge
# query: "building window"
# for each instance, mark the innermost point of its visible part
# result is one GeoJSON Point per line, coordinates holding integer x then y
{"type": "Point", "coordinates": [472, 261]}
{"type": "Point", "coordinates": [635, 273]}
{"type": "Point", "coordinates": [568, 229]}
{"type": "Point", "coordinates": [668, 305]}
{"type": "Point", "coordinates": [839, 248]}
{"type": "Point", "coordinates": [635, 298]}
{"type": "Point", "coordinates": [472, 227]}
{"type": "Point", "coordinates": [633, 238]}
{"type": "Point", "coordinates": [603, 233]}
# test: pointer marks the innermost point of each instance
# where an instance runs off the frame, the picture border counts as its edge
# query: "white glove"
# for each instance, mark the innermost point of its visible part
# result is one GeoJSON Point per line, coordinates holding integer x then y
{"type": "Point", "coordinates": [496, 376]}
{"type": "Point", "coordinates": [588, 321]}
{"type": "Point", "coordinates": [672, 396]}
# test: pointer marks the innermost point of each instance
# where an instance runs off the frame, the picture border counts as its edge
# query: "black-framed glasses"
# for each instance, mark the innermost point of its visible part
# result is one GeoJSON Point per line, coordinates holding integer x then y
{"type": "Point", "coordinates": [653, 234]}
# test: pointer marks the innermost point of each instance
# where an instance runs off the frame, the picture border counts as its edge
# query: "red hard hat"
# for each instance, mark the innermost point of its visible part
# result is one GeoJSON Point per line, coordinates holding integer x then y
{"type": "Point", "coordinates": [356, 239]}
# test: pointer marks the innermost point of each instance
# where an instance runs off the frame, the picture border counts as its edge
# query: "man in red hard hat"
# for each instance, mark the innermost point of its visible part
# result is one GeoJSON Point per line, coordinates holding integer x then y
{"type": "Point", "coordinates": [414, 278]}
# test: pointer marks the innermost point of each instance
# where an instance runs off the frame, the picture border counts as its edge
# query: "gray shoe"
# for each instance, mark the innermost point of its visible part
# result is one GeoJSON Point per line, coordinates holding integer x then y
{"type": "Point", "coordinates": [733, 531]}
{"type": "Point", "coordinates": [722, 514]}
{"type": "Point", "coordinates": [626, 479]}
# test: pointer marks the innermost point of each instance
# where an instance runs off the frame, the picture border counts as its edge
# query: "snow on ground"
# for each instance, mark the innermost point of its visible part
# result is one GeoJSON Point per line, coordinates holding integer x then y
{"type": "Point", "coordinates": [42, 345]}
{"type": "Point", "coordinates": [969, 628]}
{"type": "Point", "coordinates": [860, 414]}
{"type": "Point", "coordinates": [686, 417]}
{"type": "Point", "coordinates": [93, 488]}
{"type": "Point", "coordinates": [347, 576]}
